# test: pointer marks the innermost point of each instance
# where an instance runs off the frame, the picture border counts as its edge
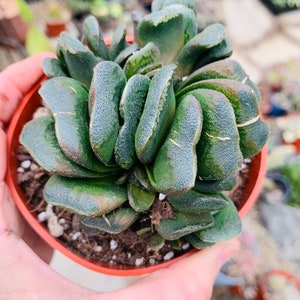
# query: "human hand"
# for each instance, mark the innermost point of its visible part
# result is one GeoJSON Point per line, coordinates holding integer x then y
{"type": "Point", "coordinates": [23, 274]}
{"type": "Point", "coordinates": [15, 82]}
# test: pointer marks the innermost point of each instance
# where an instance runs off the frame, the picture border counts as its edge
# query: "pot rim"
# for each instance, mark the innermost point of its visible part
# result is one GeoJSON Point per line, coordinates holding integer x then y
{"type": "Point", "coordinates": [23, 114]}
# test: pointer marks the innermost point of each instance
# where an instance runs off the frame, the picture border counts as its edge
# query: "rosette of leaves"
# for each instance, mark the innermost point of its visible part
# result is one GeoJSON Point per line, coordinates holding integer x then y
{"type": "Point", "coordinates": [148, 134]}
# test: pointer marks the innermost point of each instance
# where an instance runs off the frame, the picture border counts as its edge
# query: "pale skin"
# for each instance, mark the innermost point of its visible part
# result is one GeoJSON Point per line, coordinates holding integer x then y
{"type": "Point", "coordinates": [24, 257]}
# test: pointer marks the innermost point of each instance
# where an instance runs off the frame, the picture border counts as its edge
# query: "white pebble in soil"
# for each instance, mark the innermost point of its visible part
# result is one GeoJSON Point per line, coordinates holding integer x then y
{"type": "Point", "coordinates": [139, 261]}
{"type": "Point", "coordinates": [185, 246]}
{"type": "Point", "coordinates": [43, 216]}
{"type": "Point", "coordinates": [34, 167]}
{"type": "Point", "coordinates": [62, 221]}
{"type": "Point", "coordinates": [20, 170]}
{"type": "Point", "coordinates": [161, 196]}
{"type": "Point", "coordinates": [243, 166]}
{"type": "Point", "coordinates": [113, 245]}
{"type": "Point", "coordinates": [75, 236]}
{"type": "Point", "coordinates": [169, 255]}
{"type": "Point", "coordinates": [54, 227]}
{"type": "Point", "coordinates": [247, 160]}
{"type": "Point", "coordinates": [26, 164]}
{"type": "Point", "coordinates": [49, 209]}
{"type": "Point", "coordinates": [151, 261]}
{"type": "Point", "coordinates": [97, 248]}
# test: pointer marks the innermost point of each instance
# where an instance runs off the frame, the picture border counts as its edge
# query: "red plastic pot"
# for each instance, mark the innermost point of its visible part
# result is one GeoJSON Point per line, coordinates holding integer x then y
{"type": "Point", "coordinates": [23, 114]}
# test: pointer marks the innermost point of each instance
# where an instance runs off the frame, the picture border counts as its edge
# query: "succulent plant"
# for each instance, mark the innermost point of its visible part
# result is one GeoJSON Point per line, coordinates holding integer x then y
{"type": "Point", "coordinates": [164, 121]}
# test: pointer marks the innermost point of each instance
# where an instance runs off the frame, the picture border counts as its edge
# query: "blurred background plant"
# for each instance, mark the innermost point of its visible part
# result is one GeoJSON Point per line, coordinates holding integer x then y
{"type": "Point", "coordinates": [99, 8]}
{"type": "Point", "coordinates": [280, 88]}
{"type": "Point", "coordinates": [283, 170]}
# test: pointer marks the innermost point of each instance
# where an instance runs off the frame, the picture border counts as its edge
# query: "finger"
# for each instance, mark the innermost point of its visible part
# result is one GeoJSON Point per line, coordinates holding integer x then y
{"type": "Point", "coordinates": [190, 278]}
{"type": "Point", "coordinates": [16, 80]}
{"type": "Point", "coordinates": [24, 275]}
{"type": "Point", "coordinates": [11, 220]}
{"type": "Point", "coordinates": [3, 159]}
{"type": "Point", "coordinates": [9, 215]}
{"type": "Point", "coordinates": [23, 74]}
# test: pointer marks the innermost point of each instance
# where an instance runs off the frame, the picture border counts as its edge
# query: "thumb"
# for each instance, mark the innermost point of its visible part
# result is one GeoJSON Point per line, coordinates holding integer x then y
{"type": "Point", "coordinates": [2, 153]}
{"type": "Point", "coordinates": [16, 80]}
{"type": "Point", "coordinates": [190, 278]}
{"type": "Point", "coordinates": [198, 272]}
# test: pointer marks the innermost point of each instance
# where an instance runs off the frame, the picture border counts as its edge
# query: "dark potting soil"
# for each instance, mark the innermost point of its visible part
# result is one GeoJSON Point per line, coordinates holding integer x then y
{"type": "Point", "coordinates": [129, 248]}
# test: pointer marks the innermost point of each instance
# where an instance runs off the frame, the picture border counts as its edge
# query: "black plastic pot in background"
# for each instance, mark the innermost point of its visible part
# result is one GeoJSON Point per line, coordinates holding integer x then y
{"type": "Point", "coordinates": [277, 9]}
{"type": "Point", "coordinates": [282, 183]}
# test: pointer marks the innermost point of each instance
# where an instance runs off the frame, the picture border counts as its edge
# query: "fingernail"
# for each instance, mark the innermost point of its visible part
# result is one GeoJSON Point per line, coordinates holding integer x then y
{"type": "Point", "coordinates": [227, 252]}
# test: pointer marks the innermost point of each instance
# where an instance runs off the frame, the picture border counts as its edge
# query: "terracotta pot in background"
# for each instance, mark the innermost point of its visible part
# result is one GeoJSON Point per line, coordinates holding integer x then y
{"type": "Point", "coordinates": [57, 18]}
{"type": "Point", "coordinates": [262, 287]}
{"type": "Point", "coordinates": [53, 29]}
{"type": "Point", "coordinates": [11, 23]}
{"type": "Point", "coordinates": [24, 113]}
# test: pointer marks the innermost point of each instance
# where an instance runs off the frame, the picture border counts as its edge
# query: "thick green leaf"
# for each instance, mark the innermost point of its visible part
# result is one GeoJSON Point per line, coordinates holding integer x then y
{"type": "Point", "coordinates": [253, 137]}
{"type": "Point", "coordinates": [220, 51]}
{"type": "Point", "coordinates": [156, 242]}
{"type": "Point", "coordinates": [83, 196]}
{"type": "Point", "coordinates": [198, 47]}
{"type": "Point", "coordinates": [176, 244]}
{"type": "Point", "coordinates": [80, 61]}
{"type": "Point", "coordinates": [194, 240]}
{"type": "Point", "coordinates": [183, 224]}
{"type": "Point", "coordinates": [241, 96]}
{"type": "Point", "coordinates": [175, 166]}
{"type": "Point", "coordinates": [114, 222]}
{"type": "Point", "coordinates": [225, 68]}
{"type": "Point", "coordinates": [190, 23]}
{"type": "Point", "coordinates": [227, 225]}
{"type": "Point", "coordinates": [88, 230]}
{"type": "Point", "coordinates": [52, 67]}
{"type": "Point", "coordinates": [139, 199]}
{"type": "Point", "coordinates": [131, 108]}
{"type": "Point", "coordinates": [160, 4]}
{"type": "Point", "coordinates": [139, 177]}
{"type": "Point", "coordinates": [252, 129]}
{"type": "Point", "coordinates": [93, 37]}
{"type": "Point", "coordinates": [151, 69]}
{"type": "Point", "coordinates": [118, 42]}
{"type": "Point", "coordinates": [105, 93]}
{"type": "Point", "coordinates": [194, 202]}
{"type": "Point", "coordinates": [157, 115]}
{"type": "Point", "coordinates": [213, 186]}
{"type": "Point", "coordinates": [218, 151]}
{"type": "Point", "coordinates": [71, 120]}
{"type": "Point", "coordinates": [148, 54]}
{"type": "Point", "coordinates": [166, 30]}
{"type": "Point", "coordinates": [38, 137]}
{"type": "Point", "coordinates": [124, 54]}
